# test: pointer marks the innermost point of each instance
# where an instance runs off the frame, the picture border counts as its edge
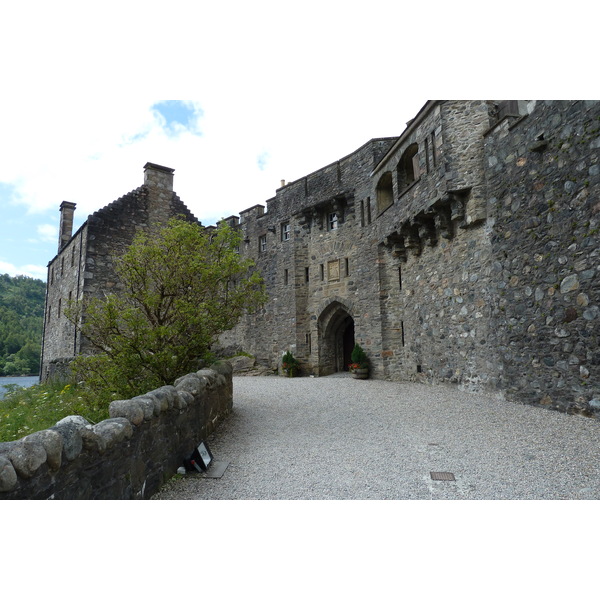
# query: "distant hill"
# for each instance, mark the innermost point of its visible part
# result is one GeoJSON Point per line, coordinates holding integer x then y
{"type": "Point", "coordinates": [21, 322]}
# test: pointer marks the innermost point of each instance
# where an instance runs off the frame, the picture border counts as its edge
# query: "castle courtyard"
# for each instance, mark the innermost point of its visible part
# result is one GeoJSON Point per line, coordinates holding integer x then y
{"type": "Point", "coordinates": [336, 438]}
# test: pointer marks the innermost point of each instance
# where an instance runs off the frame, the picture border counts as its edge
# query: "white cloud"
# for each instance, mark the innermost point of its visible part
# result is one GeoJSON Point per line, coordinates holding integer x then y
{"type": "Point", "coordinates": [47, 233]}
{"type": "Point", "coordinates": [35, 271]}
{"type": "Point", "coordinates": [303, 84]}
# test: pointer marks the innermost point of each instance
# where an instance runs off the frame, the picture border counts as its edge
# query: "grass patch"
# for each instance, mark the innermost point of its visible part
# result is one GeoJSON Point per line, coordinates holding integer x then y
{"type": "Point", "coordinates": [26, 410]}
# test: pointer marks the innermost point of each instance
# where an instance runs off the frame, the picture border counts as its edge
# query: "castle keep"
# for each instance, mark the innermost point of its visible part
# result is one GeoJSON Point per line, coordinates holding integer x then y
{"type": "Point", "coordinates": [463, 251]}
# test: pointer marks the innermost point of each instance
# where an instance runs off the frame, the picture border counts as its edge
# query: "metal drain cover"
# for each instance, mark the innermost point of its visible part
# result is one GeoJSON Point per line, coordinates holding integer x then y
{"type": "Point", "coordinates": [442, 476]}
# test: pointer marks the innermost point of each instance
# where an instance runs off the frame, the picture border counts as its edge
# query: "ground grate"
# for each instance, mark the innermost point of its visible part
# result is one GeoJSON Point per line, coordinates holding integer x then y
{"type": "Point", "coordinates": [442, 476]}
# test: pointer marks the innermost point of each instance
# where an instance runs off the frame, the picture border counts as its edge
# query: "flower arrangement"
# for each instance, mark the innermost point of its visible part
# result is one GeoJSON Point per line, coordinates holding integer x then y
{"type": "Point", "coordinates": [289, 364]}
{"type": "Point", "coordinates": [359, 359]}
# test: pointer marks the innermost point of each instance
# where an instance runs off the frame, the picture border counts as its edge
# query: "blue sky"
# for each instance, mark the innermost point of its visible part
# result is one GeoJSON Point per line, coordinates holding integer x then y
{"type": "Point", "coordinates": [267, 91]}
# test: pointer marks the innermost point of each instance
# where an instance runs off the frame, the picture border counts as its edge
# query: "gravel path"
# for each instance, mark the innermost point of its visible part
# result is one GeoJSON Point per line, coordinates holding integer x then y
{"type": "Point", "coordinates": [341, 438]}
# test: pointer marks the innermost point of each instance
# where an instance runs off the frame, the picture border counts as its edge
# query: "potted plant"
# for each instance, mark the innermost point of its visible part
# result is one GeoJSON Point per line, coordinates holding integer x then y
{"type": "Point", "coordinates": [289, 364]}
{"type": "Point", "coordinates": [359, 367]}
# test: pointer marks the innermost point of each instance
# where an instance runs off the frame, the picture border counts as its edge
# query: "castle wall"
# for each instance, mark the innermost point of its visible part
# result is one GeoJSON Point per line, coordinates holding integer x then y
{"type": "Point", "coordinates": [128, 456]}
{"type": "Point", "coordinates": [543, 176]}
{"type": "Point", "coordinates": [65, 283]}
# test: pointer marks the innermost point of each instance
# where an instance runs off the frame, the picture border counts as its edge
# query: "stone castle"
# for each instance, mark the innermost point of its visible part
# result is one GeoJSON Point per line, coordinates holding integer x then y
{"type": "Point", "coordinates": [464, 251]}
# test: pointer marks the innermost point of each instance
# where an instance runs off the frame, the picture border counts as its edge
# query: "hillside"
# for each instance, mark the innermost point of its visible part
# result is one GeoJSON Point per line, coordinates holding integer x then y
{"type": "Point", "coordinates": [21, 323]}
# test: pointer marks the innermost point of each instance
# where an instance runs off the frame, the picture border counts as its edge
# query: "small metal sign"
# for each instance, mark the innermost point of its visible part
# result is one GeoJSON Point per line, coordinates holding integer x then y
{"type": "Point", "coordinates": [200, 459]}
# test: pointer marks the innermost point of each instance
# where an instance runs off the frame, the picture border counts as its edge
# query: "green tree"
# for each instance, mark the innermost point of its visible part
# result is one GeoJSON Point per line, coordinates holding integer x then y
{"type": "Point", "coordinates": [180, 289]}
{"type": "Point", "coordinates": [21, 320]}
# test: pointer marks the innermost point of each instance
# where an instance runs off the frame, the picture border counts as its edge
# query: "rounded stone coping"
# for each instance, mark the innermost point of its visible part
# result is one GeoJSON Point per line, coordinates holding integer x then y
{"type": "Point", "coordinates": [67, 439]}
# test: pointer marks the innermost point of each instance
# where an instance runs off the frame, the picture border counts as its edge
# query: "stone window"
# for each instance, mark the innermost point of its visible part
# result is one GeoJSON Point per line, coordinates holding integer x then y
{"type": "Point", "coordinates": [59, 307]}
{"type": "Point", "coordinates": [346, 268]}
{"type": "Point", "coordinates": [73, 256]}
{"type": "Point", "coordinates": [332, 221]}
{"type": "Point", "coordinates": [309, 343]}
{"type": "Point", "coordinates": [384, 191]}
{"type": "Point", "coordinates": [286, 276]}
{"type": "Point", "coordinates": [306, 274]}
{"type": "Point", "coordinates": [262, 243]}
{"type": "Point", "coordinates": [408, 168]}
{"type": "Point", "coordinates": [285, 231]}
{"type": "Point", "coordinates": [322, 268]}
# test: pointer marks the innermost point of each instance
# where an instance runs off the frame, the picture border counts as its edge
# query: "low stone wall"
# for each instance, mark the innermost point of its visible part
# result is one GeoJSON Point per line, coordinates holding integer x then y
{"type": "Point", "coordinates": [128, 456]}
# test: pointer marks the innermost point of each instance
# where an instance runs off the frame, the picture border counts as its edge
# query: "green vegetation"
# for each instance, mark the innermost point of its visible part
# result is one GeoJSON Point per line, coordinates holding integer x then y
{"type": "Point", "coordinates": [290, 364]}
{"type": "Point", "coordinates": [181, 288]}
{"type": "Point", "coordinates": [21, 322]}
{"type": "Point", "coordinates": [25, 410]}
{"type": "Point", "coordinates": [359, 358]}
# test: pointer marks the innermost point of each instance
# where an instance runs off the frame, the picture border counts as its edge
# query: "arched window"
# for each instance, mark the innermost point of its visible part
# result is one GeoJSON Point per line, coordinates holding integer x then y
{"type": "Point", "coordinates": [408, 168]}
{"type": "Point", "coordinates": [385, 193]}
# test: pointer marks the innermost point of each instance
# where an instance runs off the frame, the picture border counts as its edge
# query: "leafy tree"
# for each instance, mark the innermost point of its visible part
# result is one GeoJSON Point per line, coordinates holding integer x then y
{"type": "Point", "coordinates": [180, 288]}
{"type": "Point", "coordinates": [21, 323]}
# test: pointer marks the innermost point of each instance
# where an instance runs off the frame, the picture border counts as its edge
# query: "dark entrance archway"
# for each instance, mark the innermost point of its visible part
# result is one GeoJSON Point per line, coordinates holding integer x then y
{"type": "Point", "coordinates": [336, 339]}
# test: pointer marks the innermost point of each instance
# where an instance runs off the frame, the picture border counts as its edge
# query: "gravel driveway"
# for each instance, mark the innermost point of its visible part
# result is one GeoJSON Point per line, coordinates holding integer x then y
{"type": "Point", "coordinates": [341, 438]}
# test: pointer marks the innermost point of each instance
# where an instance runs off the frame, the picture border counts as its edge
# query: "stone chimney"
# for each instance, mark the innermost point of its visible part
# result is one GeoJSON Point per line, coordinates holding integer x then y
{"type": "Point", "coordinates": [159, 181]}
{"type": "Point", "coordinates": [66, 224]}
{"type": "Point", "coordinates": [158, 177]}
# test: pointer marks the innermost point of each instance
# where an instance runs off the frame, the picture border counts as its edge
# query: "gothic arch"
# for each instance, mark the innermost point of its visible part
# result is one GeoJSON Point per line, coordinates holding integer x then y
{"type": "Point", "coordinates": [336, 337]}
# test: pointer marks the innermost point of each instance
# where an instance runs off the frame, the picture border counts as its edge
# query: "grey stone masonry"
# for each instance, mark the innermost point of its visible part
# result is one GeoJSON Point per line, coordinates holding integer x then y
{"type": "Point", "coordinates": [543, 177]}
{"type": "Point", "coordinates": [464, 251]}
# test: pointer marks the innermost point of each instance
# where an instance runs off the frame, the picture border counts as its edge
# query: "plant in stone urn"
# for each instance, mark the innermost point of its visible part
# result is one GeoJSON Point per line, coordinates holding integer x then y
{"type": "Point", "coordinates": [359, 366]}
{"type": "Point", "coordinates": [289, 364]}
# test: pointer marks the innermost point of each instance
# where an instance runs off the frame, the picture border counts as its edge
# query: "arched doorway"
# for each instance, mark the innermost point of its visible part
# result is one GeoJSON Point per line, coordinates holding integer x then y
{"type": "Point", "coordinates": [336, 339]}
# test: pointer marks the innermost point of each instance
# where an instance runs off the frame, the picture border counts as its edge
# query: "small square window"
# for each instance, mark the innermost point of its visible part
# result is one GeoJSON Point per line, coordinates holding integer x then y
{"type": "Point", "coordinates": [333, 221]}
{"type": "Point", "coordinates": [262, 243]}
{"type": "Point", "coordinates": [285, 232]}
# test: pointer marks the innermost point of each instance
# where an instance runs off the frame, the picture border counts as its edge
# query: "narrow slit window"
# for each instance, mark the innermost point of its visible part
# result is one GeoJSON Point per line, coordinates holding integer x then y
{"type": "Point", "coordinates": [400, 278]}
{"type": "Point", "coordinates": [402, 332]}
{"type": "Point", "coordinates": [322, 269]}
{"type": "Point", "coordinates": [306, 274]}
{"type": "Point", "coordinates": [346, 267]}
{"type": "Point", "coordinates": [286, 276]}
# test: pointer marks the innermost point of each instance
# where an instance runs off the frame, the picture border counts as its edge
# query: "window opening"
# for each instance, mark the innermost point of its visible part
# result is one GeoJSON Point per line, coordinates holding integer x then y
{"type": "Point", "coordinates": [402, 332]}
{"type": "Point", "coordinates": [262, 243]}
{"type": "Point", "coordinates": [400, 278]}
{"type": "Point", "coordinates": [309, 343]}
{"type": "Point", "coordinates": [285, 276]}
{"type": "Point", "coordinates": [385, 193]}
{"type": "Point", "coordinates": [346, 267]}
{"type": "Point", "coordinates": [408, 167]}
{"type": "Point", "coordinates": [322, 269]}
{"type": "Point", "coordinates": [333, 221]}
{"type": "Point", "coordinates": [285, 232]}
{"type": "Point", "coordinates": [306, 274]}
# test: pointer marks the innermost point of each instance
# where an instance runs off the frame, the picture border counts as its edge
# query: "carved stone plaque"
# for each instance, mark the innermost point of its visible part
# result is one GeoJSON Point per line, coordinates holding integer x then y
{"type": "Point", "coordinates": [333, 270]}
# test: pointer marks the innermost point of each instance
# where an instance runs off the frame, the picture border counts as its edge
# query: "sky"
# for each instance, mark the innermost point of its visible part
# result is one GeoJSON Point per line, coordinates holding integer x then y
{"type": "Point", "coordinates": [234, 96]}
